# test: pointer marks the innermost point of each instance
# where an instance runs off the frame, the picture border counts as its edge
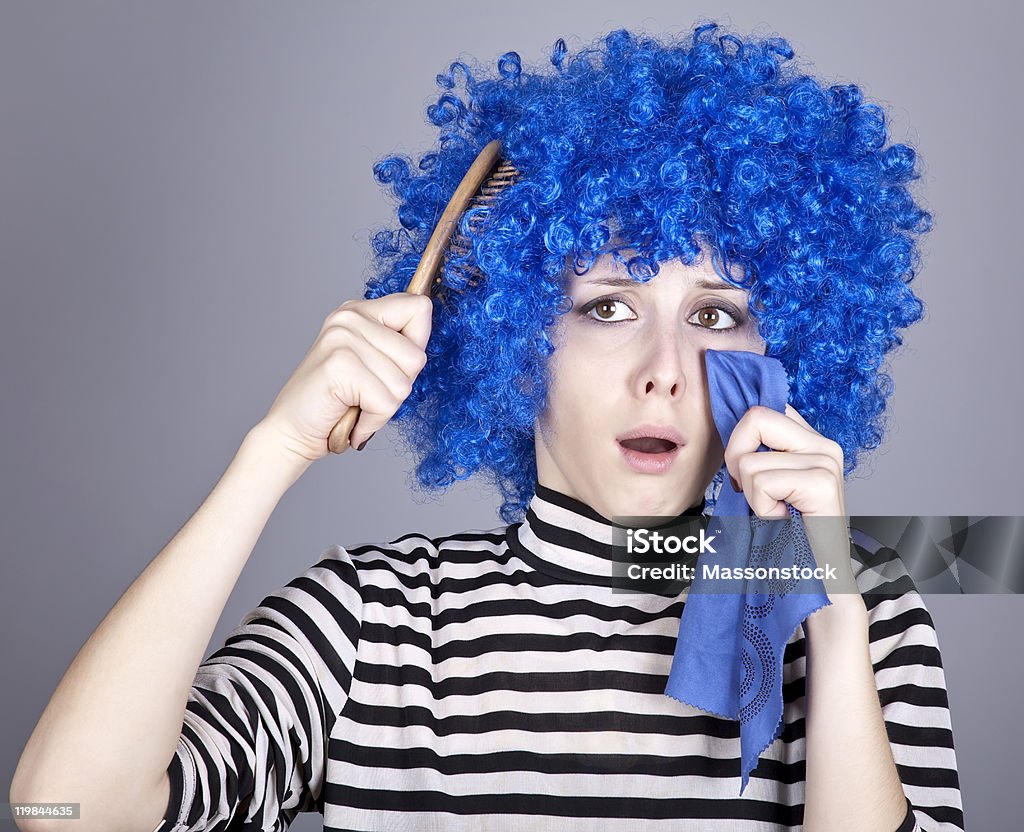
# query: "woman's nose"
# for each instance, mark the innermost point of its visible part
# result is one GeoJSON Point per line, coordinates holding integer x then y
{"type": "Point", "coordinates": [662, 370]}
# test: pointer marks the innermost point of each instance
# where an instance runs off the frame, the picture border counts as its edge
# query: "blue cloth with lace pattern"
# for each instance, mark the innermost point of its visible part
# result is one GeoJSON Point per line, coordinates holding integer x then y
{"type": "Point", "coordinates": [732, 634]}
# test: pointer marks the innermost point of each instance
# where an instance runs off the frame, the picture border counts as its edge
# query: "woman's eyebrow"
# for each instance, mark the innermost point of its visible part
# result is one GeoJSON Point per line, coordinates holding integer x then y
{"type": "Point", "coordinates": [626, 282]}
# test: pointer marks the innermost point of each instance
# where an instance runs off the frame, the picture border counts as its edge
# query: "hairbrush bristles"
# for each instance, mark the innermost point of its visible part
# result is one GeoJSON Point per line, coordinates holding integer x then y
{"type": "Point", "coordinates": [488, 176]}
{"type": "Point", "coordinates": [504, 175]}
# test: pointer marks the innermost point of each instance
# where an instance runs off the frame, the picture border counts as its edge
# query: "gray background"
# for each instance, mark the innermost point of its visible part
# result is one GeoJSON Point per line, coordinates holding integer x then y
{"type": "Point", "coordinates": [187, 192]}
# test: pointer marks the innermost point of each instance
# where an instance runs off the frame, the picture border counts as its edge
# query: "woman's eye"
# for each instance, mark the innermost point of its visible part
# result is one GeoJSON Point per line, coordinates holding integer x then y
{"type": "Point", "coordinates": [614, 310]}
{"type": "Point", "coordinates": [710, 317]}
{"type": "Point", "coordinates": [604, 309]}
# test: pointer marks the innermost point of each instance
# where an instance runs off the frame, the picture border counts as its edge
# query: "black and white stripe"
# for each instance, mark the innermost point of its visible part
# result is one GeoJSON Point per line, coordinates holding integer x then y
{"type": "Point", "coordinates": [491, 679]}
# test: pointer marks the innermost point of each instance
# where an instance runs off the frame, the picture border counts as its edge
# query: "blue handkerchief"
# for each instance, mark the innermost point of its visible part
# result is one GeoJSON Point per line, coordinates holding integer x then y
{"type": "Point", "coordinates": [732, 634]}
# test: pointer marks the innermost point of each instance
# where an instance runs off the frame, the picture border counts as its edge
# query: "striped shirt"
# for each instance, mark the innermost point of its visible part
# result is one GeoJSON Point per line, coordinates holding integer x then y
{"type": "Point", "coordinates": [492, 679]}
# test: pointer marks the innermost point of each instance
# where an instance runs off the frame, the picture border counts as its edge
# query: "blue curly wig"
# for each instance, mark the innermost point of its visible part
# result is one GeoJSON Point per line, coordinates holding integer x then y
{"type": "Point", "coordinates": [664, 150]}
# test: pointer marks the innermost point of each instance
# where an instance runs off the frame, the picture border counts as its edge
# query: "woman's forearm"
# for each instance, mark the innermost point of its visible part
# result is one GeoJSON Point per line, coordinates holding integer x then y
{"type": "Point", "coordinates": [115, 717]}
{"type": "Point", "coordinates": [852, 782]}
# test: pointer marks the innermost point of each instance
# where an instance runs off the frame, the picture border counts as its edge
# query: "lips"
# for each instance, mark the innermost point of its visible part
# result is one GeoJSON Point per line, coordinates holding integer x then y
{"type": "Point", "coordinates": [650, 449]}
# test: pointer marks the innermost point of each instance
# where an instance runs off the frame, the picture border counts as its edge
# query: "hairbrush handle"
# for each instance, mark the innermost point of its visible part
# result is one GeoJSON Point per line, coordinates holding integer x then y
{"type": "Point", "coordinates": [338, 441]}
{"type": "Point", "coordinates": [422, 280]}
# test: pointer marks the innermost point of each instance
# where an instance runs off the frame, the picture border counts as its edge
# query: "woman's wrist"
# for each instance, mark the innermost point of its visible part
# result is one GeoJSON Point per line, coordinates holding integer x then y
{"type": "Point", "coordinates": [846, 615]}
{"type": "Point", "coordinates": [260, 448]}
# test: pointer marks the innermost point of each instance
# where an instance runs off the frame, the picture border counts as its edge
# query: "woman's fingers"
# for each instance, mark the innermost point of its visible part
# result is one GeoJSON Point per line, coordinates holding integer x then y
{"type": "Point", "coordinates": [399, 329]}
{"type": "Point", "coordinates": [367, 354]}
{"type": "Point", "coordinates": [793, 413]}
{"type": "Point", "coordinates": [802, 467]}
{"type": "Point", "coordinates": [778, 431]}
{"type": "Point", "coordinates": [812, 489]}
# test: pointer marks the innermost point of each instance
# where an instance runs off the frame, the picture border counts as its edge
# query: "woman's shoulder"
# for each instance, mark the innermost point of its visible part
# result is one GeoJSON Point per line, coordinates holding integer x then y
{"type": "Point", "coordinates": [418, 550]}
{"type": "Point", "coordinates": [897, 614]}
{"type": "Point", "coordinates": [879, 570]}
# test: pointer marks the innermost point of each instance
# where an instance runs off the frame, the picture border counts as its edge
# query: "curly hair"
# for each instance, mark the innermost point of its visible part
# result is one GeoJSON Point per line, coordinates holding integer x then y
{"type": "Point", "coordinates": [663, 150]}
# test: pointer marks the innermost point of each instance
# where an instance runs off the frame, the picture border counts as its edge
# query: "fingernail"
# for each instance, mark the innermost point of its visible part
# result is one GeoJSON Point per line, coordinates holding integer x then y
{"type": "Point", "coordinates": [363, 444]}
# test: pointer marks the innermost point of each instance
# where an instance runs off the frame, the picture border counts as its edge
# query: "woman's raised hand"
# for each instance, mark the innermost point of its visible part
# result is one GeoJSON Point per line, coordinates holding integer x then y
{"type": "Point", "coordinates": [800, 467]}
{"type": "Point", "coordinates": [368, 354]}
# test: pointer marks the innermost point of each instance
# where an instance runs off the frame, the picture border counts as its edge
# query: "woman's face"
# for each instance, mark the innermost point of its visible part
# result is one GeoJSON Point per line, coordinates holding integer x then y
{"type": "Point", "coordinates": [630, 358]}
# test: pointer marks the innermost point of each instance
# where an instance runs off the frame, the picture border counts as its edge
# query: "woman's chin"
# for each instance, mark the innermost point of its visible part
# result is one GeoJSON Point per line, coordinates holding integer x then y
{"type": "Point", "coordinates": [651, 502]}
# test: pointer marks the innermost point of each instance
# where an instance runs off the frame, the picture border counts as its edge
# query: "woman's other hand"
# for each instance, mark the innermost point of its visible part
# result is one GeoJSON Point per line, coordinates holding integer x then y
{"type": "Point", "coordinates": [802, 468]}
{"type": "Point", "coordinates": [368, 353]}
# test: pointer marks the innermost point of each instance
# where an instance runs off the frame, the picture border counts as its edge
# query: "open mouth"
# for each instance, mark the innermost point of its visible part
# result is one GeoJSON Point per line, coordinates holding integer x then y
{"type": "Point", "coordinates": [649, 445]}
{"type": "Point", "coordinates": [649, 454]}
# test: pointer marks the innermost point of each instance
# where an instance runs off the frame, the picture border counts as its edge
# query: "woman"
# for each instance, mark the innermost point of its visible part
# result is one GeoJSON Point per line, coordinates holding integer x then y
{"type": "Point", "coordinates": [705, 199]}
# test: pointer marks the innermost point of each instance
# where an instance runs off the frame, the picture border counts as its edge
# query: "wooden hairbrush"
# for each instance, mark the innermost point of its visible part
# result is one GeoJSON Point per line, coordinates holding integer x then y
{"type": "Point", "coordinates": [486, 177]}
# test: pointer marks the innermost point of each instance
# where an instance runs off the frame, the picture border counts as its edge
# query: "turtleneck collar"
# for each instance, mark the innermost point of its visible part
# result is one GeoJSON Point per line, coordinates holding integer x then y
{"type": "Point", "coordinates": [566, 538]}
